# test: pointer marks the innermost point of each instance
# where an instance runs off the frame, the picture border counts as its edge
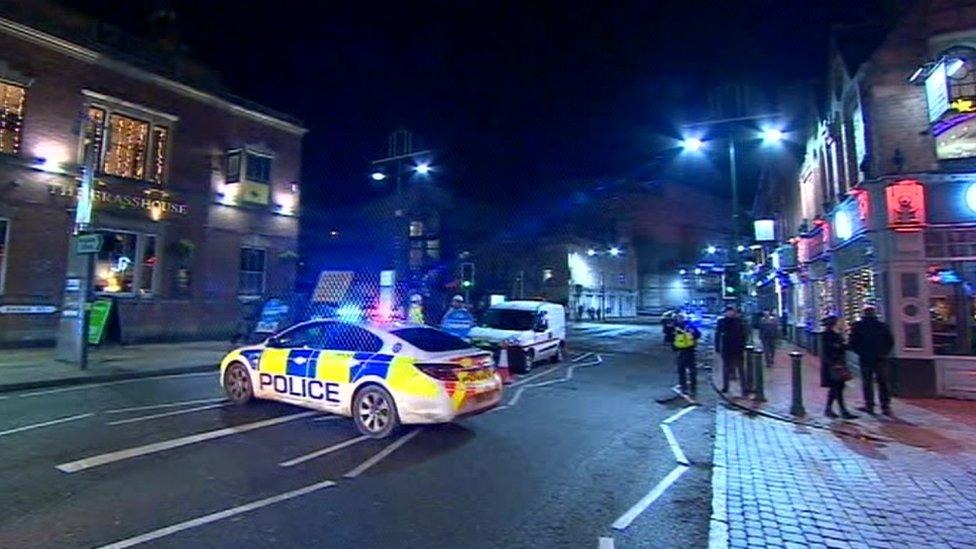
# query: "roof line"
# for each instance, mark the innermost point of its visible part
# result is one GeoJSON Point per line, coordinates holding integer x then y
{"type": "Point", "coordinates": [87, 55]}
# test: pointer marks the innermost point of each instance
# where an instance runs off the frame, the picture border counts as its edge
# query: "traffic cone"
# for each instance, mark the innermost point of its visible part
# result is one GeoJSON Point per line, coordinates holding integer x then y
{"type": "Point", "coordinates": [502, 366]}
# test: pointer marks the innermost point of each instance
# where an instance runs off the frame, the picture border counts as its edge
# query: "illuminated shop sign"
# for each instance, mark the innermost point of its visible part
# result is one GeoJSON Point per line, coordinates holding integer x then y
{"type": "Point", "coordinates": [937, 92]}
{"type": "Point", "coordinates": [765, 230]}
{"type": "Point", "coordinates": [849, 217]}
{"type": "Point", "coordinates": [905, 201]}
{"type": "Point", "coordinates": [155, 206]}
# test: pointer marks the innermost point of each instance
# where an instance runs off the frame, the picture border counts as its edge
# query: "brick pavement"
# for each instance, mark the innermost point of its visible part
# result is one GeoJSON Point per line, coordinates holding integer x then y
{"type": "Point", "coordinates": [943, 425]}
{"type": "Point", "coordinates": [779, 484]}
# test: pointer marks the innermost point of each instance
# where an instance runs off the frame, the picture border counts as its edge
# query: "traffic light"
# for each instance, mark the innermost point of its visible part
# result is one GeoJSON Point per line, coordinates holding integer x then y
{"type": "Point", "coordinates": [731, 282]}
{"type": "Point", "coordinates": [467, 275]}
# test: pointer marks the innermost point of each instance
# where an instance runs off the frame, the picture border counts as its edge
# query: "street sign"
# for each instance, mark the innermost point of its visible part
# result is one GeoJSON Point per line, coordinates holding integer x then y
{"type": "Point", "coordinates": [89, 244]}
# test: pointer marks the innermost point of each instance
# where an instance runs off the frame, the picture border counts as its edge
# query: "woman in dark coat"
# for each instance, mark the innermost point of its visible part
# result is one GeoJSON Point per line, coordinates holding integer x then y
{"type": "Point", "coordinates": [833, 368]}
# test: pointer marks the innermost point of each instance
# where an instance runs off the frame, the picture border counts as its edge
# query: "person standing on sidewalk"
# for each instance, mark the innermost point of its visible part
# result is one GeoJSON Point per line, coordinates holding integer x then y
{"type": "Point", "coordinates": [684, 339]}
{"type": "Point", "coordinates": [730, 343]}
{"type": "Point", "coordinates": [872, 341]}
{"type": "Point", "coordinates": [834, 374]}
{"type": "Point", "coordinates": [768, 335]}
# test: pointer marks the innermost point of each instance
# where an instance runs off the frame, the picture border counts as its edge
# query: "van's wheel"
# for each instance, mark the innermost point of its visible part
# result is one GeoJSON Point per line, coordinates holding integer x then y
{"type": "Point", "coordinates": [560, 354]}
{"type": "Point", "coordinates": [374, 412]}
{"type": "Point", "coordinates": [237, 384]}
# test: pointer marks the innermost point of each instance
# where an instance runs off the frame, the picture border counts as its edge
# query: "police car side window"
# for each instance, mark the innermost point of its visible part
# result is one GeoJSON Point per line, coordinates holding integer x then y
{"type": "Point", "coordinates": [305, 336]}
{"type": "Point", "coordinates": [352, 338]}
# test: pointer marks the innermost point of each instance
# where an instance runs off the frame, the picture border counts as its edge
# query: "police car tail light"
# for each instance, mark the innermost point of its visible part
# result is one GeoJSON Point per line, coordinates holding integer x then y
{"type": "Point", "coordinates": [444, 372]}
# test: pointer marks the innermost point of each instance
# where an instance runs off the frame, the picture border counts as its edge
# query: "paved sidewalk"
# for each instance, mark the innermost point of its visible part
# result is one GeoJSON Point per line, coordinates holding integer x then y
{"type": "Point", "coordinates": [942, 425]}
{"type": "Point", "coordinates": [779, 484]}
{"type": "Point", "coordinates": [35, 368]}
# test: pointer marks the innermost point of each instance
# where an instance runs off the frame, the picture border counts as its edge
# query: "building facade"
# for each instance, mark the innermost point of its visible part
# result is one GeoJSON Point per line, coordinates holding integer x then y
{"type": "Point", "coordinates": [888, 200]}
{"type": "Point", "coordinates": [195, 194]}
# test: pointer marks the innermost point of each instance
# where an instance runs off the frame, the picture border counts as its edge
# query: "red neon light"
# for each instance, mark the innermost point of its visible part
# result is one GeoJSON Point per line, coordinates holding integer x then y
{"type": "Point", "coordinates": [861, 196]}
{"type": "Point", "coordinates": [906, 205]}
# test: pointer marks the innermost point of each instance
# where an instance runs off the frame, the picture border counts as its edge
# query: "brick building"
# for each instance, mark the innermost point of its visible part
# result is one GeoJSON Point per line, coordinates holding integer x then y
{"type": "Point", "coordinates": [195, 192]}
{"type": "Point", "coordinates": [887, 198]}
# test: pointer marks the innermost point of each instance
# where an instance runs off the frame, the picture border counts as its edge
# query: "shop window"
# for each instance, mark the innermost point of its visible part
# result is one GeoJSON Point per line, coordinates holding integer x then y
{"type": "Point", "coordinates": [859, 291]}
{"type": "Point", "coordinates": [952, 307]}
{"type": "Point", "coordinates": [434, 249]}
{"type": "Point", "coordinates": [126, 263]}
{"type": "Point", "coordinates": [950, 243]}
{"type": "Point", "coordinates": [416, 228]}
{"type": "Point", "coordinates": [11, 117]}
{"type": "Point", "coordinates": [4, 239]}
{"type": "Point", "coordinates": [258, 169]}
{"type": "Point", "coordinates": [252, 271]}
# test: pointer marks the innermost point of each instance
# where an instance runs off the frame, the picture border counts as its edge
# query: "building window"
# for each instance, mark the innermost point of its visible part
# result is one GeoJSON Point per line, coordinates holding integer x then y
{"type": "Point", "coordinates": [126, 264]}
{"type": "Point", "coordinates": [416, 228]}
{"type": "Point", "coordinates": [96, 118]}
{"type": "Point", "coordinates": [952, 305]}
{"type": "Point", "coordinates": [128, 147]}
{"type": "Point", "coordinates": [11, 117]}
{"type": "Point", "coordinates": [547, 274]}
{"type": "Point", "coordinates": [252, 271]}
{"type": "Point", "coordinates": [157, 164]}
{"type": "Point", "coordinates": [258, 168]}
{"type": "Point", "coordinates": [434, 249]}
{"type": "Point", "coordinates": [233, 167]}
{"type": "Point", "coordinates": [4, 239]}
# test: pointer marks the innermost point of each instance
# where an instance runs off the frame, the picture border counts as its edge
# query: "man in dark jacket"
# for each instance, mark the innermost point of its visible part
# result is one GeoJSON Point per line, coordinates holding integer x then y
{"type": "Point", "coordinates": [730, 342]}
{"type": "Point", "coordinates": [684, 339]}
{"type": "Point", "coordinates": [872, 341]}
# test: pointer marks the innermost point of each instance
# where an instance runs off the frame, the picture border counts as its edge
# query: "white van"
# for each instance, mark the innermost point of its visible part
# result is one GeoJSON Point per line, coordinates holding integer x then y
{"type": "Point", "coordinates": [537, 327]}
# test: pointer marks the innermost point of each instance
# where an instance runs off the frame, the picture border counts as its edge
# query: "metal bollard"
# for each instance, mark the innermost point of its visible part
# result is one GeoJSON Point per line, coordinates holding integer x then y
{"type": "Point", "coordinates": [796, 358]}
{"type": "Point", "coordinates": [757, 377]}
{"type": "Point", "coordinates": [747, 368]}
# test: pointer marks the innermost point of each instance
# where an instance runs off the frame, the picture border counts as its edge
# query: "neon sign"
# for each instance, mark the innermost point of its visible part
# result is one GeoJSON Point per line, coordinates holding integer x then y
{"type": "Point", "coordinates": [906, 205]}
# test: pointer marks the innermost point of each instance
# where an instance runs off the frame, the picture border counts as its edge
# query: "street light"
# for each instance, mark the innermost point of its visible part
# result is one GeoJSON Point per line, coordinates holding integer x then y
{"type": "Point", "coordinates": [423, 168]}
{"type": "Point", "coordinates": [692, 144]}
{"type": "Point", "coordinates": [615, 251]}
{"type": "Point", "coordinates": [591, 252]}
{"type": "Point", "coordinates": [740, 248]}
{"type": "Point", "coordinates": [711, 249]}
{"type": "Point", "coordinates": [378, 176]}
{"type": "Point", "coordinates": [772, 136]}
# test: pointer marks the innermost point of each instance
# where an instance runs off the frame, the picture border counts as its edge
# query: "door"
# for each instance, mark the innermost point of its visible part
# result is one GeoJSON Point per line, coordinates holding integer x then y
{"type": "Point", "coordinates": [287, 360]}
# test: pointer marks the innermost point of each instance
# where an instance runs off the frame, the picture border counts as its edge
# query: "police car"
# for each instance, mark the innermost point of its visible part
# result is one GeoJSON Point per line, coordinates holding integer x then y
{"type": "Point", "coordinates": [380, 375]}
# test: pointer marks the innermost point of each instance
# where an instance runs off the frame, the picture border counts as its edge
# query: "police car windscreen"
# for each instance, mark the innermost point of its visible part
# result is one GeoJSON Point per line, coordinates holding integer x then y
{"type": "Point", "coordinates": [431, 340]}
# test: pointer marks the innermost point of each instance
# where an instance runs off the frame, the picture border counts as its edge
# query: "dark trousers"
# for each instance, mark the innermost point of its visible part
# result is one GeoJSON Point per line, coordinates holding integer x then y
{"type": "Point", "coordinates": [730, 362]}
{"type": "Point", "coordinates": [769, 351]}
{"type": "Point", "coordinates": [875, 371]}
{"type": "Point", "coordinates": [687, 370]}
{"type": "Point", "coordinates": [835, 392]}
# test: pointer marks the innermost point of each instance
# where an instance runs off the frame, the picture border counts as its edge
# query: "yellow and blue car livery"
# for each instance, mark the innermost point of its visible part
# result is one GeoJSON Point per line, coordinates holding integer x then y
{"type": "Point", "coordinates": [432, 376]}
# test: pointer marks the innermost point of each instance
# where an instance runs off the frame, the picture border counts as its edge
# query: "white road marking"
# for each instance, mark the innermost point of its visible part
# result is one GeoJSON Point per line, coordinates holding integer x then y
{"type": "Point", "coordinates": [515, 399]}
{"type": "Point", "coordinates": [496, 409]}
{"type": "Point", "coordinates": [382, 454]}
{"type": "Point", "coordinates": [161, 406]}
{"type": "Point", "coordinates": [678, 415]}
{"type": "Point", "coordinates": [120, 382]}
{"type": "Point", "coordinates": [533, 376]}
{"type": "Point", "coordinates": [677, 391]}
{"type": "Point", "coordinates": [214, 517]}
{"type": "Point", "coordinates": [605, 543]}
{"type": "Point", "coordinates": [323, 451]}
{"type": "Point", "coordinates": [679, 455]}
{"type": "Point", "coordinates": [327, 418]}
{"type": "Point", "coordinates": [128, 453]}
{"type": "Point", "coordinates": [168, 414]}
{"type": "Point", "coordinates": [44, 424]}
{"type": "Point", "coordinates": [645, 502]}
{"type": "Point", "coordinates": [582, 356]}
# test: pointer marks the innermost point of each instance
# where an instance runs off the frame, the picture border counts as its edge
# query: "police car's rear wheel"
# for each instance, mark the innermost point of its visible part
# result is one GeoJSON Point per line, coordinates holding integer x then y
{"type": "Point", "coordinates": [237, 384]}
{"type": "Point", "coordinates": [375, 412]}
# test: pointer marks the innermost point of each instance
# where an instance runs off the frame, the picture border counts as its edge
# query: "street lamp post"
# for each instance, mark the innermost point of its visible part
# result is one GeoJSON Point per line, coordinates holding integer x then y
{"type": "Point", "coordinates": [400, 150]}
{"type": "Point", "coordinates": [770, 135]}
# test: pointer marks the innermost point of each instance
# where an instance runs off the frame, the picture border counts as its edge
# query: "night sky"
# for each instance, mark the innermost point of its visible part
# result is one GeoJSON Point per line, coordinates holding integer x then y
{"type": "Point", "coordinates": [511, 96]}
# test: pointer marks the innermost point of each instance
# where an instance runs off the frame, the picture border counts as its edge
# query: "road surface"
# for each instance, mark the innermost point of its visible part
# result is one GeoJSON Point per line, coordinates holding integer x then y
{"type": "Point", "coordinates": [575, 449]}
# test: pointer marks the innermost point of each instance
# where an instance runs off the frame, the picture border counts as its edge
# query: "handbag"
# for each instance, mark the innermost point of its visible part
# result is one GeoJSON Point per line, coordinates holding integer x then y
{"type": "Point", "coordinates": [840, 372]}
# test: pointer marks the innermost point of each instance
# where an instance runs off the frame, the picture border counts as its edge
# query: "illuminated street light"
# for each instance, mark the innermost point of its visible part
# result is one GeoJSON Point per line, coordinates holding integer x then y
{"type": "Point", "coordinates": [711, 249]}
{"type": "Point", "coordinates": [740, 248]}
{"type": "Point", "coordinates": [772, 135]}
{"type": "Point", "coordinates": [698, 271]}
{"type": "Point", "coordinates": [378, 176]}
{"type": "Point", "coordinates": [423, 168]}
{"type": "Point", "coordinates": [615, 251]}
{"type": "Point", "coordinates": [591, 252]}
{"type": "Point", "coordinates": [692, 144]}
{"type": "Point", "coordinates": [682, 272]}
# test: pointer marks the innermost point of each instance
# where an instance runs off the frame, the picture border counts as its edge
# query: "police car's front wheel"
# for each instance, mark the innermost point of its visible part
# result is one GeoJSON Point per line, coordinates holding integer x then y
{"type": "Point", "coordinates": [374, 412]}
{"type": "Point", "coordinates": [237, 384]}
